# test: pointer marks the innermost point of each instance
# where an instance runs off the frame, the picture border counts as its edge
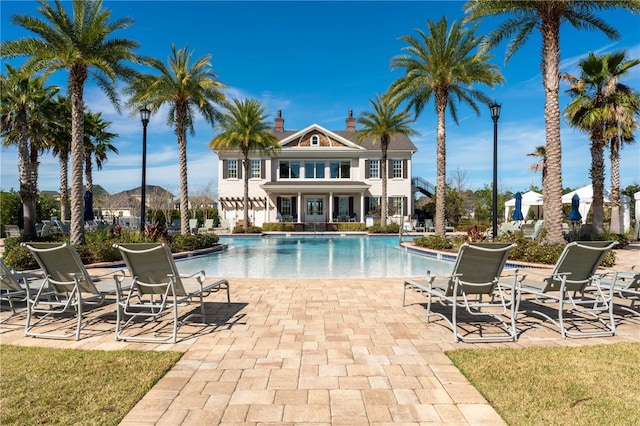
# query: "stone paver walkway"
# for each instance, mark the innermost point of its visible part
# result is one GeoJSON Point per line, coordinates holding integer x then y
{"type": "Point", "coordinates": [339, 352]}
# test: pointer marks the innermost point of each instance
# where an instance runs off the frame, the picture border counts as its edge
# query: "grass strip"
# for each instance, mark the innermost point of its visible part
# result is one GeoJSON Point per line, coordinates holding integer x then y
{"type": "Point", "coordinates": [71, 386]}
{"type": "Point", "coordinates": [588, 385]}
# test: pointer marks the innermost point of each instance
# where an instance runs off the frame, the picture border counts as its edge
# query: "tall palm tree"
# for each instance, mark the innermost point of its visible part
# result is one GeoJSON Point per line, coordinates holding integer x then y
{"type": "Point", "coordinates": [24, 106]}
{"type": "Point", "coordinates": [625, 112]}
{"type": "Point", "coordinates": [443, 64]}
{"type": "Point", "coordinates": [595, 94]}
{"type": "Point", "coordinates": [79, 43]}
{"type": "Point", "coordinates": [382, 125]}
{"type": "Point", "coordinates": [525, 16]}
{"type": "Point", "coordinates": [186, 86]}
{"type": "Point", "coordinates": [541, 165]}
{"type": "Point", "coordinates": [244, 128]}
{"type": "Point", "coordinates": [24, 103]}
{"type": "Point", "coordinates": [60, 136]}
{"type": "Point", "coordinates": [97, 145]}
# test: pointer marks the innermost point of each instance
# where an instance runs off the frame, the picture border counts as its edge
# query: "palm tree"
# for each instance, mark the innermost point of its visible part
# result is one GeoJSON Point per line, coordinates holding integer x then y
{"type": "Point", "coordinates": [625, 113]}
{"type": "Point", "coordinates": [244, 128]}
{"type": "Point", "coordinates": [381, 125]}
{"type": "Point", "coordinates": [596, 93]}
{"type": "Point", "coordinates": [445, 64]}
{"type": "Point", "coordinates": [80, 44]}
{"type": "Point", "coordinates": [25, 101]}
{"type": "Point", "coordinates": [525, 16]}
{"type": "Point", "coordinates": [186, 87]}
{"type": "Point", "coordinates": [97, 145]}
{"type": "Point", "coordinates": [540, 166]}
{"type": "Point", "coordinates": [60, 136]}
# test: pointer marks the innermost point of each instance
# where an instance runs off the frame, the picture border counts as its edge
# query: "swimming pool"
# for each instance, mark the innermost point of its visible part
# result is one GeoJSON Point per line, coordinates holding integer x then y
{"type": "Point", "coordinates": [313, 257]}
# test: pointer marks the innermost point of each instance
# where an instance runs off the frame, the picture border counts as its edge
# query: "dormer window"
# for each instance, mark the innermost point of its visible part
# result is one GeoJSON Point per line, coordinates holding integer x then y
{"type": "Point", "coordinates": [315, 140]}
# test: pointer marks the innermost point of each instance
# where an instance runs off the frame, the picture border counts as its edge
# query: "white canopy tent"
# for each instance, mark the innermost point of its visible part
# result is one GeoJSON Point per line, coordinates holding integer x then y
{"type": "Point", "coordinates": [636, 196]}
{"type": "Point", "coordinates": [529, 199]}
{"type": "Point", "coordinates": [586, 199]}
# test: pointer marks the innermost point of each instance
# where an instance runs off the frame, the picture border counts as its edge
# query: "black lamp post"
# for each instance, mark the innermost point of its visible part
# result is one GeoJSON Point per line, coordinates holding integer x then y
{"type": "Point", "coordinates": [495, 115]}
{"type": "Point", "coordinates": [144, 117]}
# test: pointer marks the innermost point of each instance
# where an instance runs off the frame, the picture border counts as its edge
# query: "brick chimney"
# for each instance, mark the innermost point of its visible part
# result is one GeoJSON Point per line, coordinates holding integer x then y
{"type": "Point", "coordinates": [351, 122]}
{"type": "Point", "coordinates": [279, 126]}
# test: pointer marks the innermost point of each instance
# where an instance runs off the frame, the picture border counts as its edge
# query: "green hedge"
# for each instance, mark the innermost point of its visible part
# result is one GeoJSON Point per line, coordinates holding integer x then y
{"type": "Point", "coordinates": [526, 250]}
{"type": "Point", "coordinates": [99, 246]}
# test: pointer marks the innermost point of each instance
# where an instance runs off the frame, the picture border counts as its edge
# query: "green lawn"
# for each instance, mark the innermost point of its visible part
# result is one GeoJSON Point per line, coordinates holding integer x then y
{"type": "Point", "coordinates": [68, 386]}
{"type": "Point", "coordinates": [588, 385]}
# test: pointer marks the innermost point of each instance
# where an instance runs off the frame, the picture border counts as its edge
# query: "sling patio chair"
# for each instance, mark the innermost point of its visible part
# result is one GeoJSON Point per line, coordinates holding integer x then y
{"type": "Point", "coordinates": [157, 288]}
{"type": "Point", "coordinates": [473, 286]}
{"type": "Point", "coordinates": [626, 286]}
{"type": "Point", "coordinates": [573, 286]}
{"type": "Point", "coordinates": [66, 287]}
{"type": "Point", "coordinates": [14, 287]}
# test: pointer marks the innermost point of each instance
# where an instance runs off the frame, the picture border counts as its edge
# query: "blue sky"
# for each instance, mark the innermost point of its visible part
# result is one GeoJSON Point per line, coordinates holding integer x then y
{"type": "Point", "coordinates": [317, 60]}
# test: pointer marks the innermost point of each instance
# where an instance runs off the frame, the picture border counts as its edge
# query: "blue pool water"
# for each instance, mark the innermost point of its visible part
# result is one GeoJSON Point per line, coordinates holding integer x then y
{"type": "Point", "coordinates": [314, 257]}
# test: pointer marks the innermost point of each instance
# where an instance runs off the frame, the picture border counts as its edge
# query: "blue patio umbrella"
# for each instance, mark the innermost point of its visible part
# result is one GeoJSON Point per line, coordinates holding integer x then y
{"type": "Point", "coordinates": [517, 212]}
{"type": "Point", "coordinates": [575, 215]}
{"type": "Point", "coordinates": [88, 205]}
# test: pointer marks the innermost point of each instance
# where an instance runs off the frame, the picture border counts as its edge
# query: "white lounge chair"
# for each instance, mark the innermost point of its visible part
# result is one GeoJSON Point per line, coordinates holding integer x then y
{"type": "Point", "coordinates": [474, 287]}
{"type": "Point", "coordinates": [207, 228]}
{"type": "Point", "coordinates": [158, 288]}
{"type": "Point", "coordinates": [73, 287]}
{"type": "Point", "coordinates": [626, 286]}
{"type": "Point", "coordinates": [572, 286]}
{"type": "Point", "coordinates": [14, 287]}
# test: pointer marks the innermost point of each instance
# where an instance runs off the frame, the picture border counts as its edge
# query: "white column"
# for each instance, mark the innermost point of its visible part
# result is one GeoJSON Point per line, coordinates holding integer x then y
{"type": "Point", "coordinates": [362, 207]}
{"type": "Point", "coordinates": [300, 204]}
{"type": "Point", "coordinates": [330, 206]}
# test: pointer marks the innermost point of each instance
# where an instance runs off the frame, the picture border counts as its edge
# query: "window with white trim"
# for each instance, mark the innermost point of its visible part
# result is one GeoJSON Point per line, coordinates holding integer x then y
{"type": "Point", "coordinates": [232, 169]}
{"type": "Point", "coordinates": [314, 169]}
{"type": "Point", "coordinates": [395, 206]}
{"type": "Point", "coordinates": [315, 140]}
{"type": "Point", "coordinates": [289, 169]}
{"type": "Point", "coordinates": [340, 169]}
{"type": "Point", "coordinates": [374, 206]}
{"type": "Point", "coordinates": [374, 169]}
{"type": "Point", "coordinates": [286, 207]}
{"type": "Point", "coordinates": [255, 169]}
{"type": "Point", "coordinates": [397, 168]}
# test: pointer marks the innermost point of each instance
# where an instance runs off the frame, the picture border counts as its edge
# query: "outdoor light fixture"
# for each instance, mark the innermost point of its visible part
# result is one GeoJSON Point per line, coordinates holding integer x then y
{"type": "Point", "coordinates": [145, 114]}
{"type": "Point", "coordinates": [495, 115]}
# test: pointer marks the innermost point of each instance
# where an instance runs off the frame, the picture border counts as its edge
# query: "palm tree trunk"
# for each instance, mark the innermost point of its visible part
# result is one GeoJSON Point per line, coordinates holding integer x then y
{"type": "Point", "coordinates": [441, 164]}
{"type": "Point", "coordinates": [616, 220]}
{"type": "Point", "coordinates": [552, 184]}
{"type": "Point", "coordinates": [384, 205]}
{"type": "Point", "coordinates": [88, 170]}
{"type": "Point", "coordinates": [184, 187]}
{"type": "Point", "coordinates": [30, 200]}
{"type": "Point", "coordinates": [64, 183]}
{"type": "Point", "coordinates": [78, 77]}
{"type": "Point", "coordinates": [245, 166]}
{"type": "Point", "coordinates": [24, 167]}
{"type": "Point", "coordinates": [597, 182]}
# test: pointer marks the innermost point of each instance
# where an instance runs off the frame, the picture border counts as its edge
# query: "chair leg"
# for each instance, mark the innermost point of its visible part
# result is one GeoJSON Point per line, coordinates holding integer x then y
{"type": "Point", "coordinates": [79, 314]}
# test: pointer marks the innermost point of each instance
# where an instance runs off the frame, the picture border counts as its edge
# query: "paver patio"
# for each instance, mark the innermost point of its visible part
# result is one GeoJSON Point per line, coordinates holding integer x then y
{"type": "Point", "coordinates": [288, 351]}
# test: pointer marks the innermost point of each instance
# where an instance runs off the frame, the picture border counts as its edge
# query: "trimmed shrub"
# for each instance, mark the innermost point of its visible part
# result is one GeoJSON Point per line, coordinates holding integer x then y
{"type": "Point", "coordinates": [19, 258]}
{"type": "Point", "coordinates": [277, 226]}
{"type": "Point", "coordinates": [249, 230]}
{"type": "Point", "coordinates": [193, 242]}
{"type": "Point", "coordinates": [351, 226]}
{"type": "Point", "coordinates": [392, 228]}
{"type": "Point", "coordinates": [435, 242]}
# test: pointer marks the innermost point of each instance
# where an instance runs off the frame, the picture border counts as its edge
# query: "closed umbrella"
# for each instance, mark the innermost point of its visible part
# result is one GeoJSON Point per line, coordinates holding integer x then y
{"type": "Point", "coordinates": [575, 215]}
{"type": "Point", "coordinates": [88, 205]}
{"type": "Point", "coordinates": [517, 212]}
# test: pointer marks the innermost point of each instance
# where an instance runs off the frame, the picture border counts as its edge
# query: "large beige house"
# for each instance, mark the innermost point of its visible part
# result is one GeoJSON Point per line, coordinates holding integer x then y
{"type": "Point", "coordinates": [318, 175]}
